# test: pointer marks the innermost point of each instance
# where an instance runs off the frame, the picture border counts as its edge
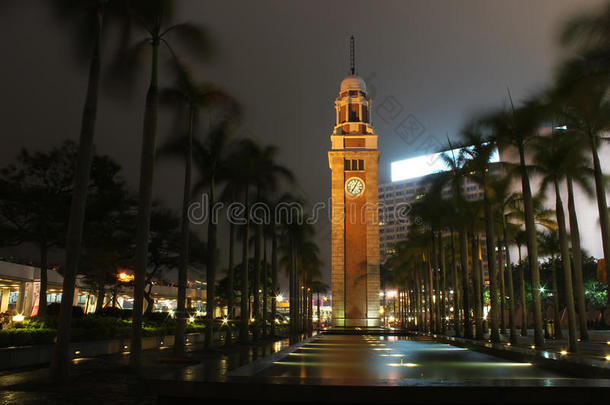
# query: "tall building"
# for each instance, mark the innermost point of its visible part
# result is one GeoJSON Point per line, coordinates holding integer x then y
{"type": "Point", "coordinates": [412, 178]}
{"type": "Point", "coordinates": [353, 161]}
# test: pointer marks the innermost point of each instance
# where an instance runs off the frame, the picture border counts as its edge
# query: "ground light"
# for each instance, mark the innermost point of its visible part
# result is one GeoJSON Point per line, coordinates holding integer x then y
{"type": "Point", "coordinates": [403, 364]}
{"type": "Point", "coordinates": [18, 318]}
{"type": "Point", "coordinates": [563, 352]}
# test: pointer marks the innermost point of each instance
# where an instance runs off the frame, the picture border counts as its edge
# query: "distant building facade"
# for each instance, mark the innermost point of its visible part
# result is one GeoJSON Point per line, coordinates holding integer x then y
{"type": "Point", "coordinates": [20, 291]}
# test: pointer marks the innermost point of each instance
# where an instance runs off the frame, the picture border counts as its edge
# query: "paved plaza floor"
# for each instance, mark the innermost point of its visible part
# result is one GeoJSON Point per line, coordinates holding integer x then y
{"type": "Point", "coordinates": [355, 368]}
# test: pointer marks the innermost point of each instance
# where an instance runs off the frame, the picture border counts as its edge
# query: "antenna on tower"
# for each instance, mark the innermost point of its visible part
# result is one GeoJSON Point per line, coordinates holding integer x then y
{"type": "Point", "coordinates": [352, 55]}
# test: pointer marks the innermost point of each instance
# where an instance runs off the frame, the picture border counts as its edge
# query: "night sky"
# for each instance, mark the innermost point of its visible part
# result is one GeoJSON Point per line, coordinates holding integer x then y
{"type": "Point", "coordinates": [440, 61]}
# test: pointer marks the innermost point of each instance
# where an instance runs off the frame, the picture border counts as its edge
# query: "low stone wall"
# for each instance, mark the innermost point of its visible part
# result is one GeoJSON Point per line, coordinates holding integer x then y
{"type": "Point", "coordinates": [23, 356]}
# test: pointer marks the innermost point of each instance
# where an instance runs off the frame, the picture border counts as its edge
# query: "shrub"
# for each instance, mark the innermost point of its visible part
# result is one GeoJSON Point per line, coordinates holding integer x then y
{"type": "Point", "coordinates": [117, 313]}
{"type": "Point", "coordinates": [26, 337]}
{"type": "Point", "coordinates": [158, 318]}
{"type": "Point", "coordinates": [193, 328]}
{"type": "Point", "coordinates": [92, 327]}
{"type": "Point", "coordinates": [54, 308]}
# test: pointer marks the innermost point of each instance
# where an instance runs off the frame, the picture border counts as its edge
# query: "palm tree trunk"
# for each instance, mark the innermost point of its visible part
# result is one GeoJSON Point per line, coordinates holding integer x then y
{"type": "Point", "coordinates": [309, 312]}
{"type": "Point", "coordinates": [476, 282]}
{"type": "Point", "coordinates": [211, 268]}
{"type": "Point", "coordinates": [480, 270]}
{"type": "Point", "coordinates": [442, 269]}
{"type": "Point", "coordinates": [293, 290]}
{"type": "Point", "coordinates": [435, 288]}
{"type": "Point", "coordinates": [567, 271]}
{"type": "Point", "coordinates": [230, 281]}
{"type": "Point", "coordinates": [456, 289]}
{"type": "Point", "coordinates": [265, 286]}
{"type": "Point", "coordinates": [465, 282]}
{"type": "Point", "coordinates": [556, 317]}
{"type": "Point", "coordinates": [274, 291]}
{"type": "Point", "coordinates": [577, 254]}
{"type": "Point", "coordinates": [532, 249]}
{"type": "Point", "coordinates": [257, 276]}
{"type": "Point", "coordinates": [230, 295]}
{"type": "Point", "coordinates": [430, 294]}
{"type": "Point", "coordinates": [318, 311]}
{"type": "Point", "coordinates": [502, 292]}
{"type": "Point", "coordinates": [523, 297]}
{"type": "Point", "coordinates": [60, 363]}
{"type": "Point", "coordinates": [511, 288]}
{"type": "Point", "coordinates": [179, 341]}
{"type": "Point", "coordinates": [101, 292]}
{"type": "Point", "coordinates": [42, 297]}
{"type": "Point", "coordinates": [491, 266]}
{"type": "Point", "coordinates": [147, 166]}
{"type": "Point", "coordinates": [245, 296]}
{"type": "Point", "coordinates": [418, 308]}
{"type": "Point", "coordinates": [304, 306]}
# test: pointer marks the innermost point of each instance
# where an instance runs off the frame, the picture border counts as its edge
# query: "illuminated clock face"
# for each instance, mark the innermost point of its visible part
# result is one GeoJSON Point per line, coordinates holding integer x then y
{"type": "Point", "coordinates": [354, 186]}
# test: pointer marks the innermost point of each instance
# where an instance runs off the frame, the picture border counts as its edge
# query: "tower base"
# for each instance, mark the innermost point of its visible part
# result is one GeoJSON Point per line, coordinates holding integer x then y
{"type": "Point", "coordinates": [361, 322]}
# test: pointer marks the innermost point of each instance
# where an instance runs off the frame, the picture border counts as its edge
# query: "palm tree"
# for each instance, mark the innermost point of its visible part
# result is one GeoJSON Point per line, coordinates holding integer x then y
{"type": "Point", "coordinates": [265, 173]}
{"type": "Point", "coordinates": [455, 178]}
{"type": "Point", "coordinates": [319, 287]}
{"type": "Point", "coordinates": [214, 158]}
{"type": "Point", "coordinates": [229, 194]}
{"type": "Point", "coordinates": [425, 212]}
{"type": "Point", "coordinates": [578, 174]}
{"type": "Point", "coordinates": [244, 329]}
{"type": "Point", "coordinates": [296, 233]}
{"type": "Point", "coordinates": [274, 282]}
{"type": "Point", "coordinates": [240, 183]}
{"type": "Point", "coordinates": [582, 90]}
{"type": "Point", "coordinates": [505, 201]}
{"type": "Point", "coordinates": [577, 169]}
{"type": "Point", "coordinates": [549, 245]}
{"type": "Point", "coordinates": [405, 266]}
{"type": "Point", "coordinates": [480, 170]}
{"type": "Point", "coordinates": [515, 129]}
{"type": "Point", "coordinates": [477, 282]}
{"type": "Point", "coordinates": [187, 94]}
{"type": "Point", "coordinates": [309, 265]}
{"type": "Point", "coordinates": [549, 152]}
{"type": "Point", "coordinates": [153, 17]}
{"type": "Point", "coordinates": [520, 240]}
{"type": "Point", "coordinates": [273, 230]}
{"type": "Point", "coordinates": [90, 18]}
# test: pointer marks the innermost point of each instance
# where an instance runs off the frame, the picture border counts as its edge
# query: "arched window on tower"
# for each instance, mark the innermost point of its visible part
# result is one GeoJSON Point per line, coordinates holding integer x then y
{"type": "Point", "coordinates": [353, 112]}
{"type": "Point", "coordinates": [343, 114]}
{"type": "Point", "coordinates": [365, 114]}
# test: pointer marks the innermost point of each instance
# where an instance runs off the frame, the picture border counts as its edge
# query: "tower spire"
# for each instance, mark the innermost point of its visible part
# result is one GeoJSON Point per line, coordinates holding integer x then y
{"type": "Point", "coordinates": [352, 55]}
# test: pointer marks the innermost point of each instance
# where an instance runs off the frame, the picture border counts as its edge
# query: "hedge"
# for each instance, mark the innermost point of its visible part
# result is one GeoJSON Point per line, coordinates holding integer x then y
{"type": "Point", "coordinates": [98, 327]}
{"type": "Point", "coordinates": [26, 337]}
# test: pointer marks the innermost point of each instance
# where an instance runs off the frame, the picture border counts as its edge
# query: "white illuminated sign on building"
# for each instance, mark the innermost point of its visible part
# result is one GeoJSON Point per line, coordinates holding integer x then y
{"type": "Point", "coordinates": [424, 165]}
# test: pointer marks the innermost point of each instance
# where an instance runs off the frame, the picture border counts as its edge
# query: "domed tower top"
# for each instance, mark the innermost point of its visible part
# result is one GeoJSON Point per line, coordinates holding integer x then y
{"type": "Point", "coordinates": [353, 82]}
{"type": "Point", "coordinates": [353, 112]}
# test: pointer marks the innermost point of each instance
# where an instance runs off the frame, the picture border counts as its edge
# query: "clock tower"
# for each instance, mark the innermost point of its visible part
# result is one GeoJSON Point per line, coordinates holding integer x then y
{"type": "Point", "coordinates": [353, 161]}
